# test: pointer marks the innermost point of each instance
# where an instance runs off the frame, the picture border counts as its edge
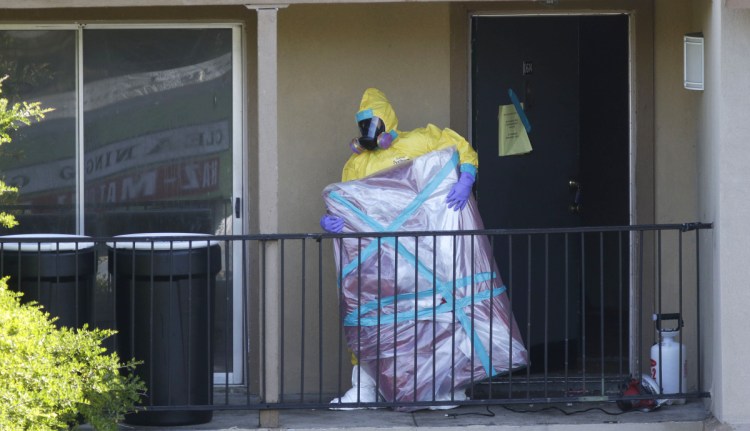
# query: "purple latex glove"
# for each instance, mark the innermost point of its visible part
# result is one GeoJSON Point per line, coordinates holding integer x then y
{"type": "Point", "coordinates": [459, 194]}
{"type": "Point", "coordinates": [332, 223]}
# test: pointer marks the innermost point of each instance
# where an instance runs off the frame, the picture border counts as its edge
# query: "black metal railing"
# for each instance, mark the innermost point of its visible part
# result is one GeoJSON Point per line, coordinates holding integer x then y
{"type": "Point", "coordinates": [435, 319]}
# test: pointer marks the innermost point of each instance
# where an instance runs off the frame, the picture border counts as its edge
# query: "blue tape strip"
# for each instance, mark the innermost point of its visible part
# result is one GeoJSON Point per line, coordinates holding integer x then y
{"type": "Point", "coordinates": [363, 115]}
{"type": "Point", "coordinates": [446, 289]}
{"type": "Point", "coordinates": [468, 167]}
{"type": "Point", "coordinates": [352, 318]}
{"type": "Point", "coordinates": [425, 193]}
{"type": "Point", "coordinates": [398, 221]}
{"type": "Point", "coordinates": [519, 109]}
{"type": "Point", "coordinates": [468, 326]}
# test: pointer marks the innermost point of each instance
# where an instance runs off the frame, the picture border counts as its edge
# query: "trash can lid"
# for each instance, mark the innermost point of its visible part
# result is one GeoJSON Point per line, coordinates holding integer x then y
{"type": "Point", "coordinates": [133, 244]}
{"type": "Point", "coordinates": [33, 242]}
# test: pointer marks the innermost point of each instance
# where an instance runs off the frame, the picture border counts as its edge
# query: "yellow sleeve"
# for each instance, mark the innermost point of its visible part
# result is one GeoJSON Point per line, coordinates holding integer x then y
{"type": "Point", "coordinates": [468, 158]}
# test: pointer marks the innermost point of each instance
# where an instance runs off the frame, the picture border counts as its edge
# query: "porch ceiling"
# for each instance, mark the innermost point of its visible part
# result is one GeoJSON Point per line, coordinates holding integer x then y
{"type": "Point", "coordinates": [65, 4]}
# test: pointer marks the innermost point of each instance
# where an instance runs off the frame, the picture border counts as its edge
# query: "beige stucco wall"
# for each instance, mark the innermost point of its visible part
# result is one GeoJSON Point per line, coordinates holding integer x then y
{"type": "Point", "coordinates": [703, 20]}
{"type": "Point", "coordinates": [675, 168]}
{"type": "Point", "coordinates": [725, 136]}
{"type": "Point", "coordinates": [674, 129]}
{"type": "Point", "coordinates": [723, 133]}
{"type": "Point", "coordinates": [709, 16]}
{"type": "Point", "coordinates": [329, 55]}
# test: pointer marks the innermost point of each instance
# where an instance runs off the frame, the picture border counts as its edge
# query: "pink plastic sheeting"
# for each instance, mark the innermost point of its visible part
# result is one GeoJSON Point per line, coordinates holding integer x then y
{"type": "Point", "coordinates": [408, 321]}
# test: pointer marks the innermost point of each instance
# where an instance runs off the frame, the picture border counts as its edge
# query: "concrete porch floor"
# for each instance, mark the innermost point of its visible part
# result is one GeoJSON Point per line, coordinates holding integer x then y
{"type": "Point", "coordinates": [691, 416]}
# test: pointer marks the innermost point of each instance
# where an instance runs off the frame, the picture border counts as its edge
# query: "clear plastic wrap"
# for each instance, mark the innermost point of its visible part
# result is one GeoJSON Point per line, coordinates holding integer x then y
{"type": "Point", "coordinates": [425, 316]}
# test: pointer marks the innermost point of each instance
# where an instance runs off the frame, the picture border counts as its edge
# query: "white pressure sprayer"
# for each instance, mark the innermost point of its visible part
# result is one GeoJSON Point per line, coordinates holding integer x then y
{"type": "Point", "coordinates": [668, 358]}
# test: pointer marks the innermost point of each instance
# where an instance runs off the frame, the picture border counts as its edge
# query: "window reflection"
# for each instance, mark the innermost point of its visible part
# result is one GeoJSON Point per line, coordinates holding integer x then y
{"type": "Point", "coordinates": [157, 130]}
{"type": "Point", "coordinates": [156, 149]}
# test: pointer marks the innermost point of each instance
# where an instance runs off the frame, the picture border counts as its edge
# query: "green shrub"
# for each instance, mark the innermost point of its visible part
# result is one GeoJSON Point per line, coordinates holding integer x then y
{"type": "Point", "coordinates": [50, 378]}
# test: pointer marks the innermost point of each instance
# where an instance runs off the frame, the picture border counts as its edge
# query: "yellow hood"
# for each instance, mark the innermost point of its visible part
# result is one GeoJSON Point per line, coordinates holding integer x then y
{"type": "Point", "coordinates": [374, 103]}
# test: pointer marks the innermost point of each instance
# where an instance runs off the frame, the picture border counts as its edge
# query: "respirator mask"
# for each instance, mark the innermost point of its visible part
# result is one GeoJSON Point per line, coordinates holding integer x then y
{"type": "Point", "coordinates": [372, 136]}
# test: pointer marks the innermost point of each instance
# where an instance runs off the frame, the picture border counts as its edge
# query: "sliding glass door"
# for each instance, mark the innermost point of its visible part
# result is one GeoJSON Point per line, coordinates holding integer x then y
{"type": "Point", "coordinates": [145, 136]}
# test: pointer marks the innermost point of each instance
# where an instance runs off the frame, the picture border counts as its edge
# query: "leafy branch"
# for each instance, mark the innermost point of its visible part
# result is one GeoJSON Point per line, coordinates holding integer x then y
{"type": "Point", "coordinates": [12, 117]}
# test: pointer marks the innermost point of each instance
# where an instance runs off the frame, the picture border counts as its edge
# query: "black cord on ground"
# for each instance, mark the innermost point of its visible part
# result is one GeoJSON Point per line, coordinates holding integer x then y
{"type": "Point", "coordinates": [565, 412]}
{"type": "Point", "coordinates": [489, 413]}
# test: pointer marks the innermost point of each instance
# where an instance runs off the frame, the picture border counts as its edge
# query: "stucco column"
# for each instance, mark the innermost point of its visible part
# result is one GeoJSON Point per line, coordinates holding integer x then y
{"type": "Point", "coordinates": [268, 188]}
{"type": "Point", "coordinates": [268, 157]}
{"type": "Point", "coordinates": [727, 134]}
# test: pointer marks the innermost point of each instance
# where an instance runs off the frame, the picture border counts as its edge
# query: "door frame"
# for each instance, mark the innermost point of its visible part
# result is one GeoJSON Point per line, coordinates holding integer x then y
{"type": "Point", "coordinates": [634, 297]}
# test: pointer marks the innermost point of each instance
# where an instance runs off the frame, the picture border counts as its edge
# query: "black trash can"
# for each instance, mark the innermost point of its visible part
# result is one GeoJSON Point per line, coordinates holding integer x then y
{"type": "Point", "coordinates": [58, 275]}
{"type": "Point", "coordinates": [164, 317]}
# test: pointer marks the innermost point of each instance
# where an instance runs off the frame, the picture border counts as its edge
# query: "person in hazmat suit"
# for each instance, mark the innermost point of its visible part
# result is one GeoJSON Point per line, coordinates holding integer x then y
{"type": "Point", "coordinates": [380, 146]}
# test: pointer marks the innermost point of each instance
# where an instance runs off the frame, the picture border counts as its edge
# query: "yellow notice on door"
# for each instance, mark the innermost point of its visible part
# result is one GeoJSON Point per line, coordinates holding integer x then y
{"type": "Point", "coordinates": [512, 135]}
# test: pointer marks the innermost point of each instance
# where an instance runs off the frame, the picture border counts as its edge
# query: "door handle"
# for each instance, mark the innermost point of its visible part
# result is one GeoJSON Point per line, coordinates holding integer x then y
{"type": "Point", "coordinates": [575, 190]}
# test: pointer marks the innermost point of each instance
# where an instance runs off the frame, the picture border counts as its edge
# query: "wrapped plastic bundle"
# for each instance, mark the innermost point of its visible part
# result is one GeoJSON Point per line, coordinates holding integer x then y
{"type": "Point", "coordinates": [426, 316]}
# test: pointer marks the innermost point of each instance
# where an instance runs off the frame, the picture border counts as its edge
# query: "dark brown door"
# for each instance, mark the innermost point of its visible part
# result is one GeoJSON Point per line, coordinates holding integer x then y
{"type": "Point", "coordinates": [571, 74]}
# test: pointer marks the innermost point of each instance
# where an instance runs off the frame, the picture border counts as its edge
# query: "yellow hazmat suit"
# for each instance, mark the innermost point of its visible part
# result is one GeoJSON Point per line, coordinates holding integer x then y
{"type": "Point", "coordinates": [406, 145]}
